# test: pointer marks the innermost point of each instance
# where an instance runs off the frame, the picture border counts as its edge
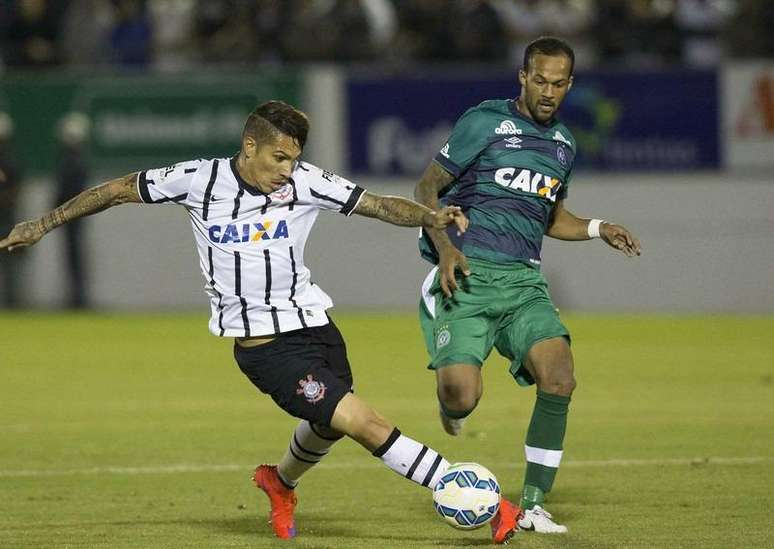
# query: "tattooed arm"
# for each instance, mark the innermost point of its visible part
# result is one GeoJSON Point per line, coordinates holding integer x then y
{"type": "Point", "coordinates": [402, 211]}
{"type": "Point", "coordinates": [109, 194]}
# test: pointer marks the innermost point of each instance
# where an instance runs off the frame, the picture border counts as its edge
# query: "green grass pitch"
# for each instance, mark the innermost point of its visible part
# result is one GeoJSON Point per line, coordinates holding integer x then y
{"type": "Point", "coordinates": [140, 431]}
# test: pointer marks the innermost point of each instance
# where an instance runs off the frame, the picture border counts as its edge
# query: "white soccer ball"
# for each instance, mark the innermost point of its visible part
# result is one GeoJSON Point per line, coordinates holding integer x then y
{"type": "Point", "coordinates": [467, 496]}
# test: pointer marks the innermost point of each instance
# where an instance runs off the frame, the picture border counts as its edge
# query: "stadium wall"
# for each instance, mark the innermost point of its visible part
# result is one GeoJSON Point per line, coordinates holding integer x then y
{"type": "Point", "coordinates": [706, 240]}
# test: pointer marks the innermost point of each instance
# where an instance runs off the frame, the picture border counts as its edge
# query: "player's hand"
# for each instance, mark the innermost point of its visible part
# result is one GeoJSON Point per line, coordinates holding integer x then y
{"type": "Point", "coordinates": [451, 260]}
{"type": "Point", "coordinates": [620, 238]}
{"type": "Point", "coordinates": [22, 235]}
{"type": "Point", "coordinates": [446, 216]}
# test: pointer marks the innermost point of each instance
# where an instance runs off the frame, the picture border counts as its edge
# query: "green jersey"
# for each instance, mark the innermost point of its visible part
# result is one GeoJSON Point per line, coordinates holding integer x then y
{"type": "Point", "coordinates": [509, 172]}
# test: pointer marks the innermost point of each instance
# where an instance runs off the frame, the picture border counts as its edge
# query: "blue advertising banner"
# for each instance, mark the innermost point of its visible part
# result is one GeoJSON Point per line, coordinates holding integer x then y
{"type": "Point", "coordinates": [621, 120]}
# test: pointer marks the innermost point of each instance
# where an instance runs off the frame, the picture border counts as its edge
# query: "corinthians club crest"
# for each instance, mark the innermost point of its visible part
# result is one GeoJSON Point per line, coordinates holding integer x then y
{"type": "Point", "coordinates": [313, 391]}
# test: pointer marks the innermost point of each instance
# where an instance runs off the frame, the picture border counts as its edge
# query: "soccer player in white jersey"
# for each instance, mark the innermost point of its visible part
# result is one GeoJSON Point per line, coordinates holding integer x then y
{"type": "Point", "coordinates": [251, 216]}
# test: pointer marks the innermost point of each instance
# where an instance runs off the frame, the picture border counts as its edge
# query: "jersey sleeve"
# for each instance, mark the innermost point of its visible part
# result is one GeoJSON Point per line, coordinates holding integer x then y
{"type": "Point", "coordinates": [468, 138]}
{"type": "Point", "coordinates": [329, 191]}
{"type": "Point", "coordinates": [562, 194]}
{"type": "Point", "coordinates": [169, 185]}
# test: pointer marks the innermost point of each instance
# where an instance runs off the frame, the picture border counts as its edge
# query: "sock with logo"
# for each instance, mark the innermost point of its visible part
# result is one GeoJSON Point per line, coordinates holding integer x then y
{"type": "Point", "coordinates": [543, 446]}
{"type": "Point", "coordinates": [308, 445]}
{"type": "Point", "coordinates": [412, 459]}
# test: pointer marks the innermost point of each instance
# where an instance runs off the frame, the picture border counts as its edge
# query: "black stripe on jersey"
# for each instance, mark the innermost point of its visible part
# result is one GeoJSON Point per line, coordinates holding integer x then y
{"type": "Point", "coordinates": [208, 190]}
{"type": "Point", "coordinates": [353, 199]}
{"type": "Point", "coordinates": [212, 284]}
{"type": "Point", "coordinates": [266, 205]}
{"type": "Point", "coordinates": [238, 291]}
{"type": "Point", "coordinates": [267, 295]}
{"type": "Point", "coordinates": [325, 197]}
{"type": "Point", "coordinates": [190, 170]}
{"type": "Point", "coordinates": [143, 183]}
{"type": "Point", "coordinates": [142, 186]}
{"type": "Point", "coordinates": [432, 470]}
{"type": "Point", "coordinates": [237, 200]}
{"type": "Point", "coordinates": [416, 463]}
{"type": "Point", "coordinates": [292, 203]}
{"type": "Point", "coordinates": [178, 198]}
{"type": "Point", "coordinates": [293, 288]}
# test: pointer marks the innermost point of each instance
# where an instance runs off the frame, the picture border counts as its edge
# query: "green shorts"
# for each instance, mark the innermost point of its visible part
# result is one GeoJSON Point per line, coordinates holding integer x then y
{"type": "Point", "coordinates": [506, 307]}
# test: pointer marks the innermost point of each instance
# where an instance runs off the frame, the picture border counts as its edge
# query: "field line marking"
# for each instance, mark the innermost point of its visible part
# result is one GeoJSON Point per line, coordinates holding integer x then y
{"type": "Point", "coordinates": [232, 467]}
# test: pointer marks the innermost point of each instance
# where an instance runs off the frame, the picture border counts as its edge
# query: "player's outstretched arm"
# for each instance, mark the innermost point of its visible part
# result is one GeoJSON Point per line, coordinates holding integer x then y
{"type": "Point", "coordinates": [450, 259]}
{"type": "Point", "coordinates": [90, 201]}
{"type": "Point", "coordinates": [407, 213]}
{"type": "Point", "coordinates": [566, 226]}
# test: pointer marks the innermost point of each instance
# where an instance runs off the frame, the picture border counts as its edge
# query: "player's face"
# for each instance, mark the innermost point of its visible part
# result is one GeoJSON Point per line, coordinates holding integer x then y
{"type": "Point", "coordinates": [543, 88]}
{"type": "Point", "coordinates": [270, 164]}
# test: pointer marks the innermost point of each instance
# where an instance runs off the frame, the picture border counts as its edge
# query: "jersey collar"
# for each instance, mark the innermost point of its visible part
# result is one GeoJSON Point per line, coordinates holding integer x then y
{"type": "Point", "coordinates": [244, 185]}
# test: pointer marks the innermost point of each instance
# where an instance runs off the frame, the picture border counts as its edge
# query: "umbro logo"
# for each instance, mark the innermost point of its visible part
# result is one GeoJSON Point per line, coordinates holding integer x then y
{"type": "Point", "coordinates": [512, 142]}
{"type": "Point", "coordinates": [507, 127]}
{"type": "Point", "coordinates": [445, 150]}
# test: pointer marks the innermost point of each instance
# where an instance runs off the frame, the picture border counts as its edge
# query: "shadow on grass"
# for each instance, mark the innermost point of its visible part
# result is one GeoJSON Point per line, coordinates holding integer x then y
{"type": "Point", "coordinates": [322, 527]}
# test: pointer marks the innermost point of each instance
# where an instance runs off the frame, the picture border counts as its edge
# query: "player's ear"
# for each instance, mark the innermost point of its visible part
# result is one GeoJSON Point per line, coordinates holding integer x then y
{"type": "Point", "coordinates": [248, 146]}
{"type": "Point", "coordinates": [569, 84]}
{"type": "Point", "coordinates": [522, 77]}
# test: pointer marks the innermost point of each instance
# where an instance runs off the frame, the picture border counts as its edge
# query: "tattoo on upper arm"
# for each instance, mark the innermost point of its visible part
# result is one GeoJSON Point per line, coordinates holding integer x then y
{"type": "Point", "coordinates": [90, 201]}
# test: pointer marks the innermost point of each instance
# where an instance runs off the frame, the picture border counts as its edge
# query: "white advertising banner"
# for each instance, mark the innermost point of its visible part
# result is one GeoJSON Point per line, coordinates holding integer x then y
{"type": "Point", "coordinates": [748, 114]}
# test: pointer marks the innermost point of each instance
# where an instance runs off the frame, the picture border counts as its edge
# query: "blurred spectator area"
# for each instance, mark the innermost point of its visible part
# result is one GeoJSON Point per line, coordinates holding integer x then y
{"type": "Point", "coordinates": [173, 35]}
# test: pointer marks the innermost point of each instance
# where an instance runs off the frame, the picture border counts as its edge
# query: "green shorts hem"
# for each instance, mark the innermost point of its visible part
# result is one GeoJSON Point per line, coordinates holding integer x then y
{"type": "Point", "coordinates": [455, 359]}
{"type": "Point", "coordinates": [519, 371]}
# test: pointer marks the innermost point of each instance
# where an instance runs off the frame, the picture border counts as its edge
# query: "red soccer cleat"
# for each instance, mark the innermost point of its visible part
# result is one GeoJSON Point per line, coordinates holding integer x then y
{"type": "Point", "coordinates": [506, 522]}
{"type": "Point", "coordinates": [282, 499]}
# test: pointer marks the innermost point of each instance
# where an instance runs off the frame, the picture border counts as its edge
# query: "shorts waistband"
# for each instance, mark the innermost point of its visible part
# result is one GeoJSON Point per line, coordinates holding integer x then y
{"type": "Point", "coordinates": [513, 266]}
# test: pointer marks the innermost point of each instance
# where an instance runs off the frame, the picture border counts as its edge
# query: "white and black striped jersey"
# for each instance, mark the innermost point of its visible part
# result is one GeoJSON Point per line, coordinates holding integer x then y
{"type": "Point", "coordinates": [251, 244]}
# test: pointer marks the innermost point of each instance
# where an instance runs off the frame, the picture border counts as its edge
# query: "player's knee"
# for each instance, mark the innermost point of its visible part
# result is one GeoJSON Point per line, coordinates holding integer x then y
{"type": "Point", "coordinates": [558, 382]}
{"type": "Point", "coordinates": [326, 432]}
{"type": "Point", "coordinates": [457, 401]}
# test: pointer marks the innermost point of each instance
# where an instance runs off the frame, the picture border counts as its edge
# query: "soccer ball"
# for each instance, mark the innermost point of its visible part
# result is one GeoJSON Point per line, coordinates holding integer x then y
{"type": "Point", "coordinates": [467, 496]}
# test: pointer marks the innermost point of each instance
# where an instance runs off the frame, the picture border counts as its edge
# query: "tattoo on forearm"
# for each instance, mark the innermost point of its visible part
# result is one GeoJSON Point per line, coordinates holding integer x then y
{"type": "Point", "coordinates": [28, 232]}
{"type": "Point", "coordinates": [392, 209]}
{"type": "Point", "coordinates": [88, 202]}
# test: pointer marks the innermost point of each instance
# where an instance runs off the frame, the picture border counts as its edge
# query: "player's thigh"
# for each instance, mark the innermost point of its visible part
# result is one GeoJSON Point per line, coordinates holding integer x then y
{"type": "Point", "coordinates": [538, 321]}
{"type": "Point", "coordinates": [550, 363]}
{"type": "Point", "coordinates": [458, 339]}
{"type": "Point", "coordinates": [294, 370]}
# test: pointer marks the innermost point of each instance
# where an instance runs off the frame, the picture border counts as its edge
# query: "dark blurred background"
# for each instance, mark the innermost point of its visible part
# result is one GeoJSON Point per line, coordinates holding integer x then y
{"type": "Point", "coordinates": [170, 35]}
{"type": "Point", "coordinates": [672, 108]}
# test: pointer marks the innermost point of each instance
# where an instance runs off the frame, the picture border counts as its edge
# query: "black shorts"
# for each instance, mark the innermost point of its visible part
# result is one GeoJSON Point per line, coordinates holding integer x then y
{"type": "Point", "coordinates": [306, 372]}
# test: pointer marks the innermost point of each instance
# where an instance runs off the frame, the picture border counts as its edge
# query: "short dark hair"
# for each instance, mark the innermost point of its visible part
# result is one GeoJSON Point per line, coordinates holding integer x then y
{"type": "Point", "coordinates": [272, 118]}
{"type": "Point", "coordinates": [548, 45]}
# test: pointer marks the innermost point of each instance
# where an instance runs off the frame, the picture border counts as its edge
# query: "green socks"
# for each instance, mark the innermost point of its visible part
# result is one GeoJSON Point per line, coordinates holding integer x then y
{"type": "Point", "coordinates": [543, 447]}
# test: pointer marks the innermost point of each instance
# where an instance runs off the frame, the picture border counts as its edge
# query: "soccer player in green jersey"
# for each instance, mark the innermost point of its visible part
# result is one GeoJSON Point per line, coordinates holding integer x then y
{"type": "Point", "coordinates": [508, 164]}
